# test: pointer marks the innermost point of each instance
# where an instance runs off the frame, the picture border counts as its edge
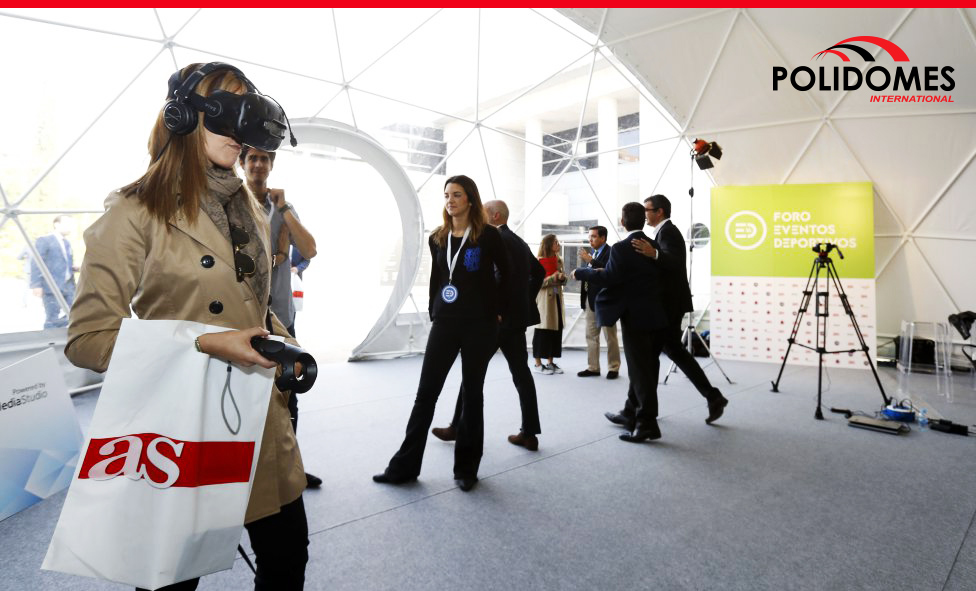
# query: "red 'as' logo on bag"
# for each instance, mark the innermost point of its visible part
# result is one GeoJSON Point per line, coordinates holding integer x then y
{"type": "Point", "coordinates": [164, 462]}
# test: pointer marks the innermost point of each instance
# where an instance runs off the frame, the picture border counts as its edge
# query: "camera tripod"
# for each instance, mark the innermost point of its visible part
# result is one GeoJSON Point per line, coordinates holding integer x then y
{"type": "Point", "coordinates": [824, 263]}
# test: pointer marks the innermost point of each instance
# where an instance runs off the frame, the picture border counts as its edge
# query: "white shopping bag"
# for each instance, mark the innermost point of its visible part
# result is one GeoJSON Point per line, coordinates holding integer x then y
{"type": "Point", "coordinates": [163, 481]}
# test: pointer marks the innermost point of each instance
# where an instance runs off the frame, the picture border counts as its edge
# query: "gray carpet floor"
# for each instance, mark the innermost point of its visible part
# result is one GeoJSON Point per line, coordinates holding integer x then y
{"type": "Point", "coordinates": [767, 498]}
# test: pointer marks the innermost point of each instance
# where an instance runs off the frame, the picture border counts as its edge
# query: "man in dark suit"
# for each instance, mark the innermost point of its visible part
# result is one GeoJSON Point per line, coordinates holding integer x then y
{"type": "Point", "coordinates": [597, 260]}
{"type": "Point", "coordinates": [527, 274]}
{"type": "Point", "coordinates": [632, 295]}
{"type": "Point", "coordinates": [56, 253]}
{"type": "Point", "coordinates": [667, 247]}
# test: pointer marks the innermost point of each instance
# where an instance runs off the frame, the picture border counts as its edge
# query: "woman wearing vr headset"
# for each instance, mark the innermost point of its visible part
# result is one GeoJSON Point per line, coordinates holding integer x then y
{"type": "Point", "coordinates": [468, 296]}
{"type": "Point", "coordinates": [185, 242]}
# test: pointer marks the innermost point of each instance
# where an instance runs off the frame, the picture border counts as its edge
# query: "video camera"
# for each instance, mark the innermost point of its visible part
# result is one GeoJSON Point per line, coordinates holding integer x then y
{"type": "Point", "coordinates": [823, 249]}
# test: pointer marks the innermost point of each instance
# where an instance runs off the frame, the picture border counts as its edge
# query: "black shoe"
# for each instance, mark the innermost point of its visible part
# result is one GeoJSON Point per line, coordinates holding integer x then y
{"type": "Point", "coordinates": [385, 478]}
{"type": "Point", "coordinates": [715, 408]}
{"type": "Point", "coordinates": [588, 373]}
{"type": "Point", "coordinates": [465, 484]}
{"type": "Point", "coordinates": [642, 433]}
{"type": "Point", "coordinates": [612, 374]}
{"type": "Point", "coordinates": [619, 419]}
{"type": "Point", "coordinates": [312, 481]}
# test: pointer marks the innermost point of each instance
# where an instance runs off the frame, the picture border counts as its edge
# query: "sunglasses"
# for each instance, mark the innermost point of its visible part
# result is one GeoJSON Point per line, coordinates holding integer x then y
{"type": "Point", "coordinates": [243, 263]}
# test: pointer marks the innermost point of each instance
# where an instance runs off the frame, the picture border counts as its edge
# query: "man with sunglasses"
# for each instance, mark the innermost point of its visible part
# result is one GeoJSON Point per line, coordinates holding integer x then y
{"type": "Point", "coordinates": [667, 247]}
{"type": "Point", "coordinates": [286, 230]}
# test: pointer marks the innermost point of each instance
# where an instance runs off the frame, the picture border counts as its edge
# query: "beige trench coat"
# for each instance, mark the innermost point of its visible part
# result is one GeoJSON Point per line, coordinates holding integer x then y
{"type": "Point", "coordinates": [549, 311]}
{"type": "Point", "coordinates": [177, 271]}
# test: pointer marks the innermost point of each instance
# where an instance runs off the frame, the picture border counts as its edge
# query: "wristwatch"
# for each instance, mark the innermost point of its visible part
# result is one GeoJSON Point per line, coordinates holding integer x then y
{"type": "Point", "coordinates": [284, 208]}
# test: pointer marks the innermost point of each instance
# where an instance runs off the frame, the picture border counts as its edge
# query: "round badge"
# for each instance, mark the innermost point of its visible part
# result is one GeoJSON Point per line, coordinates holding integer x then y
{"type": "Point", "coordinates": [449, 294]}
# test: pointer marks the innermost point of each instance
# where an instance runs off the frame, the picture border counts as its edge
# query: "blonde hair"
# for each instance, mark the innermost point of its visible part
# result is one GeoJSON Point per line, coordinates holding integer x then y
{"type": "Point", "coordinates": [177, 176]}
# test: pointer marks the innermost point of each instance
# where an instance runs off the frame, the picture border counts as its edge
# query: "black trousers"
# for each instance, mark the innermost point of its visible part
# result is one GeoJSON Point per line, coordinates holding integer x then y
{"type": "Point", "coordinates": [672, 347]}
{"type": "Point", "coordinates": [476, 341]}
{"type": "Point", "coordinates": [280, 544]}
{"type": "Point", "coordinates": [512, 343]}
{"type": "Point", "coordinates": [642, 349]}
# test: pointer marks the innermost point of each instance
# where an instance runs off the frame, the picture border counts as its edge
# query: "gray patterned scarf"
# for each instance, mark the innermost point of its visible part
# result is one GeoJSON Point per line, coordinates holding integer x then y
{"type": "Point", "coordinates": [227, 203]}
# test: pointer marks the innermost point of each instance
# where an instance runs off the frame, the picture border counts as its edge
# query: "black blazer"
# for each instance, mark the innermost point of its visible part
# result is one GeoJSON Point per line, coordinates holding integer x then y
{"type": "Point", "coordinates": [481, 277]}
{"type": "Point", "coordinates": [671, 256]}
{"type": "Point", "coordinates": [526, 278]}
{"type": "Point", "coordinates": [587, 295]}
{"type": "Point", "coordinates": [627, 280]}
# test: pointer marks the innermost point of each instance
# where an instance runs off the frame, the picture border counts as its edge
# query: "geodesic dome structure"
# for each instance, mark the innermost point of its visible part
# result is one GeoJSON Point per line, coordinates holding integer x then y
{"type": "Point", "coordinates": [564, 114]}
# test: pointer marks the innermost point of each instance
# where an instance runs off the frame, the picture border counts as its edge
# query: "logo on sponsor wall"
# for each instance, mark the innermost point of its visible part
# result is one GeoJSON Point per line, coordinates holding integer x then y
{"type": "Point", "coordinates": [770, 231]}
{"type": "Point", "coordinates": [164, 462]}
{"type": "Point", "coordinates": [936, 81]}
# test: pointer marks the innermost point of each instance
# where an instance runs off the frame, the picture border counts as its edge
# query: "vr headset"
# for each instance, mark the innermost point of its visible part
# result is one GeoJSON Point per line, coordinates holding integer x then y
{"type": "Point", "coordinates": [250, 118]}
{"type": "Point", "coordinates": [287, 355]}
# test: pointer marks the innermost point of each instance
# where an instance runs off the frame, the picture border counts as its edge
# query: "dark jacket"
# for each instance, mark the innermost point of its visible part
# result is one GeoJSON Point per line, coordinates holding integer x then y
{"type": "Point", "coordinates": [671, 256]}
{"type": "Point", "coordinates": [588, 294]}
{"type": "Point", "coordinates": [627, 281]}
{"type": "Point", "coordinates": [481, 295]}
{"type": "Point", "coordinates": [57, 263]}
{"type": "Point", "coordinates": [527, 274]}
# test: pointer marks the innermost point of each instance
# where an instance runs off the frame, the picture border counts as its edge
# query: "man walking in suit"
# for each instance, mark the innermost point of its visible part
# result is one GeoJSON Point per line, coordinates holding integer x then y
{"type": "Point", "coordinates": [597, 260]}
{"type": "Point", "coordinates": [56, 253]}
{"type": "Point", "coordinates": [632, 294]}
{"type": "Point", "coordinates": [527, 274]}
{"type": "Point", "coordinates": [667, 247]}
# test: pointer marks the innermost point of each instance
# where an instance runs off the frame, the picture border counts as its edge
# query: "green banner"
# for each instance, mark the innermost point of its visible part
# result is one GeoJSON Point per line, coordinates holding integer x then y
{"type": "Point", "coordinates": [770, 230]}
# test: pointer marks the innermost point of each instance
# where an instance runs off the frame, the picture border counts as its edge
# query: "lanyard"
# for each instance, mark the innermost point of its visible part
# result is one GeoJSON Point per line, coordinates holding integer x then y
{"type": "Point", "coordinates": [452, 262]}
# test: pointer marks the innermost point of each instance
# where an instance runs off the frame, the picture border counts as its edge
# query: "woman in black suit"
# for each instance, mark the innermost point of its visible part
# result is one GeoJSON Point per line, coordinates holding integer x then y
{"type": "Point", "coordinates": [468, 288]}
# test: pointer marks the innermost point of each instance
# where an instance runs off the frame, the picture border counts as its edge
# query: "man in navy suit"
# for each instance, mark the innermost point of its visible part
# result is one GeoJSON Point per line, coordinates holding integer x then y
{"type": "Point", "coordinates": [55, 251]}
{"type": "Point", "coordinates": [667, 247]}
{"type": "Point", "coordinates": [597, 260]}
{"type": "Point", "coordinates": [632, 295]}
{"type": "Point", "coordinates": [527, 274]}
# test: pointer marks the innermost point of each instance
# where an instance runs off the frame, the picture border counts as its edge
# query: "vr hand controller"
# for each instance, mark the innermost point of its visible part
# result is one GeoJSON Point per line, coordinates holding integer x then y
{"type": "Point", "coordinates": [287, 356]}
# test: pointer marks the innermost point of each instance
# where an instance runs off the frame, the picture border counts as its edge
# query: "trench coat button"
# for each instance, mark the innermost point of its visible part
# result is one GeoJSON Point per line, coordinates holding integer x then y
{"type": "Point", "coordinates": [207, 261]}
{"type": "Point", "coordinates": [216, 307]}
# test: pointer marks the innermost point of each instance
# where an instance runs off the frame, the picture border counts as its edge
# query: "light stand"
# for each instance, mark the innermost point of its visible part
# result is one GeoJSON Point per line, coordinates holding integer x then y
{"type": "Point", "coordinates": [699, 155]}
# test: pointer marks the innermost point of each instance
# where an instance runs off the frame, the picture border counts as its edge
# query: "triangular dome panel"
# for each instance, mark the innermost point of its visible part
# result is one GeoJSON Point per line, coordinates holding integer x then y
{"type": "Point", "coordinates": [740, 93]}
{"type": "Point", "coordinates": [760, 156]}
{"type": "Point", "coordinates": [884, 248]}
{"type": "Point", "coordinates": [675, 68]}
{"type": "Point", "coordinates": [40, 126]}
{"type": "Point", "coordinates": [626, 22]}
{"type": "Point", "coordinates": [453, 73]}
{"type": "Point", "coordinates": [827, 160]}
{"type": "Point", "coordinates": [139, 22]}
{"type": "Point", "coordinates": [894, 150]}
{"type": "Point", "coordinates": [953, 214]}
{"type": "Point", "coordinates": [918, 296]}
{"type": "Point", "coordinates": [946, 258]}
{"type": "Point", "coordinates": [311, 49]}
{"type": "Point", "coordinates": [885, 222]}
{"type": "Point", "coordinates": [359, 51]}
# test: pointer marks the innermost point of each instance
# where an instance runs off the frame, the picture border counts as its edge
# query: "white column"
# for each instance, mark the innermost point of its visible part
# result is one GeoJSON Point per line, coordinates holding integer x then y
{"type": "Point", "coordinates": [531, 230]}
{"type": "Point", "coordinates": [648, 170]}
{"type": "Point", "coordinates": [607, 185]}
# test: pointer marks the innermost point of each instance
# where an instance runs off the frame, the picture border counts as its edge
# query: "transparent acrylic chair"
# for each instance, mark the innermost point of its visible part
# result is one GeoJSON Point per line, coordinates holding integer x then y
{"type": "Point", "coordinates": [912, 361]}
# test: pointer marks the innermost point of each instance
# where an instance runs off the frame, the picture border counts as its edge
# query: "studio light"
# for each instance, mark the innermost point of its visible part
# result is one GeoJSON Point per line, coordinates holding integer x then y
{"type": "Point", "coordinates": [702, 151]}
